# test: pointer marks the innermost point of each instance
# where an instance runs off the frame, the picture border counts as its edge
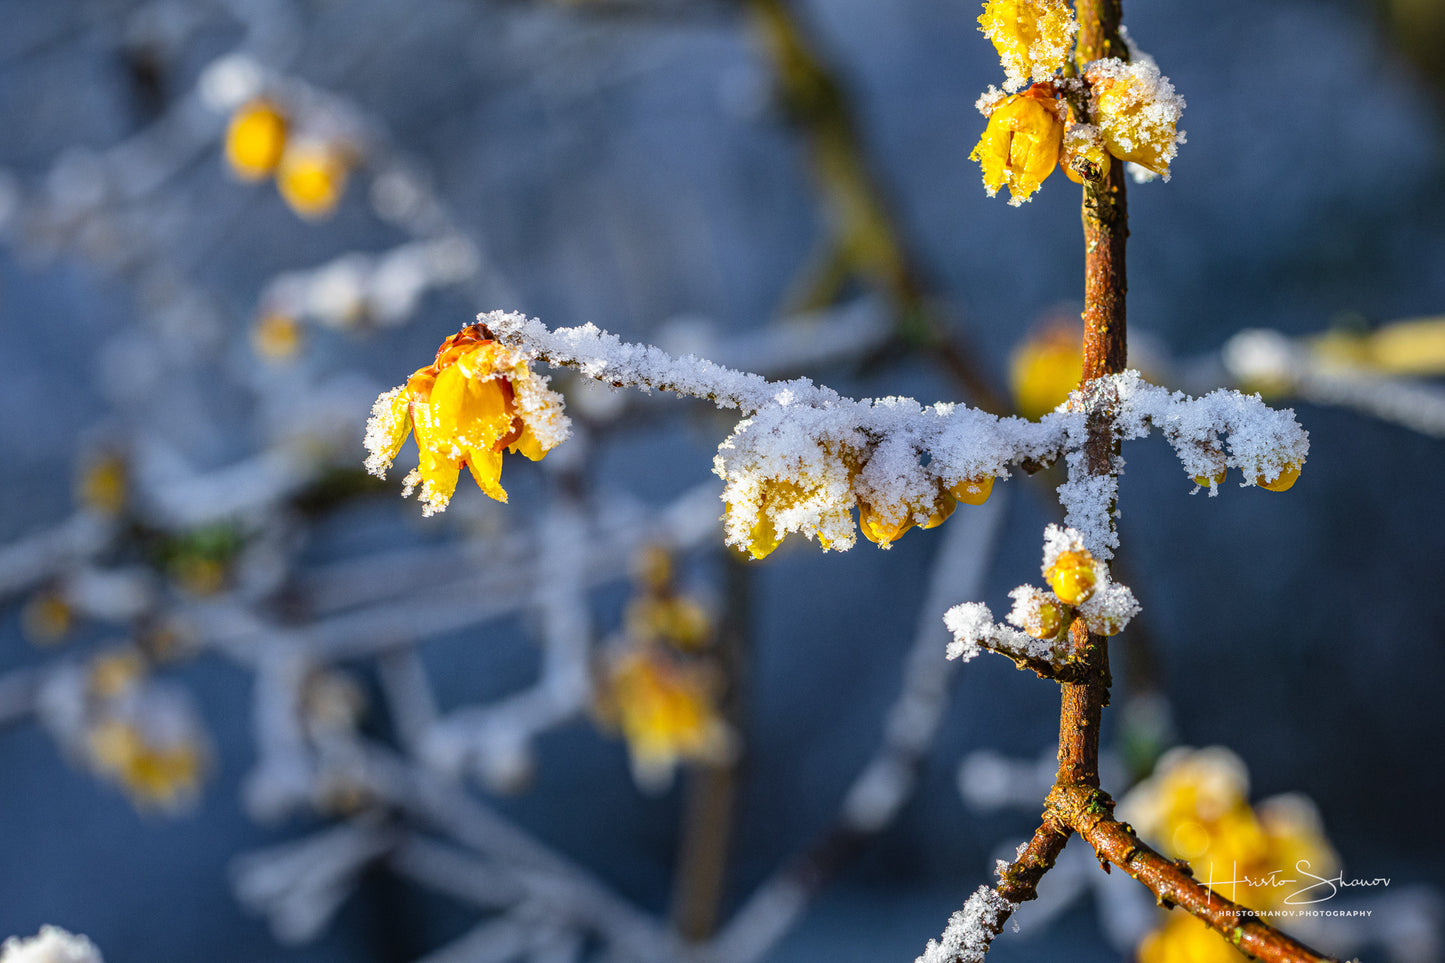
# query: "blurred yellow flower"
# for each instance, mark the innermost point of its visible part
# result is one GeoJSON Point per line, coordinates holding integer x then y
{"type": "Point", "coordinates": [311, 177]}
{"type": "Point", "coordinates": [1032, 37]}
{"type": "Point", "coordinates": [46, 618]}
{"type": "Point", "coordinates": [255, 139]}
{"type": "Point", "coordinates": [1020, 146]}
{"type": "Point", "coordinates": [152, 773]}
{"type": "Point", "coordinates": [475, 401]}
{"type": "Point", "coordinates": [104, 483]}
{"type": "Point", "coordinates": [276, 336]}
{"type": "Point", "coordinates": [1184, 939]}
{"type": "Point", "coordinates": [1196, 807]}
{"type": "Point", "coordinates": [666, 712]}
{"type": "Point", "coordinates": [1045, 368]}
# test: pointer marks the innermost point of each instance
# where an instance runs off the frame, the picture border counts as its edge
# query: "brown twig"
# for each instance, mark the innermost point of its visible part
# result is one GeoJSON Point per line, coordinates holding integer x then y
{"type": "Point", "coordinates": [1090, 813]}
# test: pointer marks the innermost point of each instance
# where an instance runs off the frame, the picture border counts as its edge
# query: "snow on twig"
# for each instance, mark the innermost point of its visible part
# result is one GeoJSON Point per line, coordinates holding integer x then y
{"type": "Point", "coordinates": [804, 456]}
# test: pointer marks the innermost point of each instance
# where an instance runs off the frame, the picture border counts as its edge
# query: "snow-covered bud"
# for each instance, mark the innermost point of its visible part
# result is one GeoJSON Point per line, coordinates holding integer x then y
{"type": "Point", "coordinates": [1282, 480]}
{"type": "Point", "coordinates": [973, 491]}
{"type": "Point", "coordinates": [1038, 613]}
{"type": "Point", "coordinates": [1137, 112]}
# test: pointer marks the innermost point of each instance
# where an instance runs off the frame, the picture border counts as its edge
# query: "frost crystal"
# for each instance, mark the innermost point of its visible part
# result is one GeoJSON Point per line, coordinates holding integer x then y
{"type": "Point", "coordinates": [970, 930]}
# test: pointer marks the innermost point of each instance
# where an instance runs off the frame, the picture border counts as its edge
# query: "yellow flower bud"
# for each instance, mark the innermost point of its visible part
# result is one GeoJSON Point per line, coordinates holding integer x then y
{"type": "Point", "coordinates": [943, 507]}
{"type": "Point", "coordinates": [1020, 146]}
{"type": "Point", "coordinates": [1286, 478]}
{"type": "Point", "coordinates": [1072, 576]}
{"type": "Point", "coordinates": [973, 491]}
{"type": "Point", "coordinates": [1046, 621]}
{"type": "Point", "coordinates": [878, 531]}
{"type": "Point", "coordinates": [311, 178]}
{"type": "Point", "coordinates": [1216, 479]}
{"type": "Point", "coordinates": [255, 139]}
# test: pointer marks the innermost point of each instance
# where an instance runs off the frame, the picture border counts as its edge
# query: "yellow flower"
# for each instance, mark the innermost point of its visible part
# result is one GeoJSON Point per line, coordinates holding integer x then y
{"type": "Point", "coordinates": [312, 177]}
{"type": "Point", "coordinates": [1045, 368]}
{"type": "Point", "coordinates": [475, 401]}
{"type": "Point", "coordinates": [150, 772]}
{"type": "Point", "coordinates": [1196, 807]}
{"type": "Point", "coordinates": [255, 139]}
{"type": "Point", "coordinates": [1184, 939]}
{"type": "Point", "coordinates": [973, 491]}
{"type": "Point", "coordinates": [276, 336]}
{"type": "Point", "coordinates": [1137, 112]}
{"type": "Point", "coordinates": [666, 712]}
{"type": "Point", "coordinates": [1032, 37]}
{"type": "Point", "coordinates": [1283, 479]}
{"type": "Point", "coordinates": [1020, 146]}
{"type": "Point", "coordinates": [883, 530]}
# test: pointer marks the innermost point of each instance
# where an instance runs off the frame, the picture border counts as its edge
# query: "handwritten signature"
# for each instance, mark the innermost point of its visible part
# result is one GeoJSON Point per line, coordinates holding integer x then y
{"type": "Point", "coordinates": [1323, 887]}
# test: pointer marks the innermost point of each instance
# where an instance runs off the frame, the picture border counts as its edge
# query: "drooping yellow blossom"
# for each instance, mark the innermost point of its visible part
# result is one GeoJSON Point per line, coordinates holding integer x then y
{"type": "Point", "coordinates": [1281, 482]}
{"type": "Point", "coordinates": [824, 498]}
{"type": "Point", "coordinates": [973, 491]}
{"type": "Point", "coordinates": [665, 710]}
{"type": "Point", "coordinates": [311, 177]}
{"type": "Point", "coordinates": [883, 530]}
{"type": "Point", "coordinates": [276, 336]}
{"type": "Point", "coordinates": [1045, 368]}
{"type": "Point", "coordinates": [255, 140]}
{"type": "Point", "coordinates": [153, 773]}
{"type": "Point", "coordinates": [1032, 37]}
{"type": "Point", "coordinates": [1137, 112]}
{"type": "Point", "coordinates": [1020, 146]}
{"type": "Point", "coordinates": [477, 400]}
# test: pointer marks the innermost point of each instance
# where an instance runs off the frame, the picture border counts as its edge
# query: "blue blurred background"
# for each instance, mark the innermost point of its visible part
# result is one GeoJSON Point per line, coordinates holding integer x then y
{"type": "Point", "coordinates": [629, 164]}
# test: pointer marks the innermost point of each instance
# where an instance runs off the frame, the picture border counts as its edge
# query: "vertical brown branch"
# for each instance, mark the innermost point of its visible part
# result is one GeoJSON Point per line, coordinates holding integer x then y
{"type": "Point", "coordinates": [709, 812]}
{"type": "Point", "coordinates": [1105, 221]}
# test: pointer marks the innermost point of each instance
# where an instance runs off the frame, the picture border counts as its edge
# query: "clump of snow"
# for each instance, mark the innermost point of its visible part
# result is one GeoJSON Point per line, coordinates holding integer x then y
{"type": "Point", "coordinates": [1030, 604]}
{"type": "Point", "coordinates": [51, 945]}
{"type": "Point", "coordinates": [989, 100]}
{"type": "Point", "coordinates": [970, 930]}
{"type": "Point", "coordinates": [974, 630]}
